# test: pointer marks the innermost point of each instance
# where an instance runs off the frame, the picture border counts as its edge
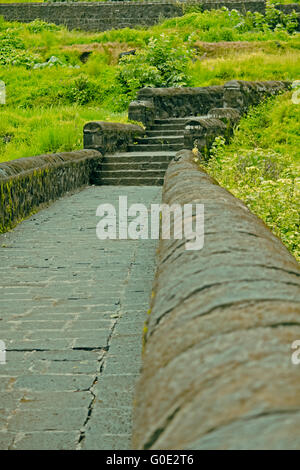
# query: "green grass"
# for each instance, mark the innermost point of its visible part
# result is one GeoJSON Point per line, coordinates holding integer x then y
{"type": "Point", "coordinates": [261, 166]}
{"type": "Point", "coordinates": [43, 1]}
{"type": "Point", "coordinates": [283, 2]}
{"type": "Point", "coordinates": [47, 107]}
{"type": "Point", "coordinates": [246, 66]}
{"type": "Point", "coordinates": [58, 96]}
{"type": "Point", "coordinates": [30, 132]}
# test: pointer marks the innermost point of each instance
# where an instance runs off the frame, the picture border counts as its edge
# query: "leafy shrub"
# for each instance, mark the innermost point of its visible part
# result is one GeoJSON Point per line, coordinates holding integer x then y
{"type": "Point", "coordinates": [159, 64]}
{"type": "Point", "coordinates": [82, 91]}
{"type": "Point", "coordinates": [13, 51]}
{"type": "Point", "coordinates": [261, 166]}
{"type": "Point", "coordinates": [38, 26]}
{"type": "Point", "coordinates": [273, 20]}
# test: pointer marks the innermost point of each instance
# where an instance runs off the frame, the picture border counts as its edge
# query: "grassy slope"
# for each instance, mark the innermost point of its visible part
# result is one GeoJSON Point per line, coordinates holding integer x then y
{"type": "Point", "coordinates": [261, 164]}
{"type": "Point", "coordinates": [286, 2]}
{"type": "Point", "coordinates": [36, 97]}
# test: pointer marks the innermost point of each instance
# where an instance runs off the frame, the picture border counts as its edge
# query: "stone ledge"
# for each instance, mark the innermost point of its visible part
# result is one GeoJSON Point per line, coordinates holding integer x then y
{"type": "Point", "coordinates": [28, 183]}
{"type": "Point", "coordinates": [130, 13]}
{"type": "Point", "coordinates": [108, 137]}
{"type": "Point", "coordinates": [217, 351]}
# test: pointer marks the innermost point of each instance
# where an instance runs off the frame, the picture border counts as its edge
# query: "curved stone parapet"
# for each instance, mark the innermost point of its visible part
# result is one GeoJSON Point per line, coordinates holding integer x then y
{"type": "Point", "coordinates": [217, 370]}
{"type": "Point", "coordinates": [27, 183]}
{"type": "Point", "coordinates": [108, 137]}
{"type": "Point", "coordinates": [236, 96]}
{"type": "Point", "coordinates": [103, 16]}
{"type": "Point", "coordinates": [241, 94]}
{"type": "Point", "coordinates": [183, 101]}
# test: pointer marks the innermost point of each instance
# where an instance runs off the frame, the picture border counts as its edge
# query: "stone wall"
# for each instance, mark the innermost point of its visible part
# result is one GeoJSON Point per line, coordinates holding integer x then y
{"type": "Point", "coordinates": [289, 9]}
{"type": "Point", "coordinates": [27, 183]}
{"type": "Point", "coordinates": [241, 94]}
{"type": "Point", "coordinates": [108, 137]}
{"type": "Point", "coordinates": [217, 370]}
{"type": "Point", "coordinates": [102, 16]}
{"type": "Point", "coordinates": [201, 133]}
{"type": "Point", "coordinates": [176, 102]}
{"type": "Point", "coordinates": [164, 103]}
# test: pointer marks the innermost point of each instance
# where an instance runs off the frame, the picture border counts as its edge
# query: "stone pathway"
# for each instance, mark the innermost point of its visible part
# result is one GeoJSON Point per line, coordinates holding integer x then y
{"type": "Point", "coordinates": [71, 315]}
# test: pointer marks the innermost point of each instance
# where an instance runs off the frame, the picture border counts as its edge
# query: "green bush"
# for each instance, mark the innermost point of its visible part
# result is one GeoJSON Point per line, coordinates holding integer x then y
{"type": "Point", "coordinates": [261, 166]}
{"type": "Point", "coordinates": [38, 26]}
{"type": "Point", "coordinates": [273, 20]}
{"type": "Point", "coordinates": [82, 91]}
{"type": "Point", "coordinates": [13, 51]}
{"type": "Point", "coordinates": [160, 64]}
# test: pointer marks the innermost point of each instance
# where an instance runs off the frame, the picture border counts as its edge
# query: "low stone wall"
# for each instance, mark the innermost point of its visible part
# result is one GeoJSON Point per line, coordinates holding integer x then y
{"type": "Point", "coordinates": [177, 102]}
{"type": "Point", "coordinates": [289, 9]}
{"type": "Point", "coordinates": [102, 16]}
{"type": "Point", "coordinates": [27, 183]}
{"type": "Point", "coordinates": [164, 103]}
{"type": "Point", "coordinates": [241, 94]}
{"type": "Point", "coordinates": [201, 133]}
{"type": "Point", "coordinates": [217, 370]}
{"type": "Point", "coordinates": [108, 137]}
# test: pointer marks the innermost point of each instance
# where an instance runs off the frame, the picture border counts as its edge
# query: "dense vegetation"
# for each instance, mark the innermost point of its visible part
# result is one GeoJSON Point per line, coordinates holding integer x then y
{"type": "Point", "coordinates": [57, 79]}
{"type": "Point", "coordinates": [261, 166]}
{"type": "Point", "coordinates": [41, 1]}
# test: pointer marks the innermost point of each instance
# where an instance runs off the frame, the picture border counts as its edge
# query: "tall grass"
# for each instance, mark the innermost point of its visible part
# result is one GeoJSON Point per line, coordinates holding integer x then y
{"type": "Point", "coordinates": [47, 107]}
{"type": "Point", "coordinates": [261, 166]}
{"type": "Point", "coordinates": [28, 132]}
{"type": "Point", "coordinates": [246, 66]}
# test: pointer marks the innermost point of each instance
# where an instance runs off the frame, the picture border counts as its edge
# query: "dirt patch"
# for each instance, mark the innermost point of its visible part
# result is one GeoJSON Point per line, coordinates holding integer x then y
{"type": "Point", "coordinates": [219, 49]}
{"type": "Point", "coordinates": [111, 49]}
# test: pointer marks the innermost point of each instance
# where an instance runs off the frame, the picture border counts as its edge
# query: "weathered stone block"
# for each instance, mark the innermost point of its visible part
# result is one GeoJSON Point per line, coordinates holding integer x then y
{"type": "Point", "coordinates": [201, 132]}
{"type": "Point", "coordinates": [27, 183]}
{"type": "Point", "coordinates": [142, 111]}
{"type": "Point", "coordinates": [217, 368]}
{"type": "Point", "coordinates": [110, 136]}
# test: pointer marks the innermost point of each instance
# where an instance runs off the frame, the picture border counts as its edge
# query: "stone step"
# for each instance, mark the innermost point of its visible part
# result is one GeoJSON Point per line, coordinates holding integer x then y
{"type": "Point", "coordinates": [163, 127]}
{"type": "Point", "coordinates": [131, 181]}
{"type": "Point", "coordinates": [155, 147]}
{"type": "Point", "coordinates": [135, 157]}
{"type": "Point", "coordinates": [132, 173]}
{"type": "Point", "coordinates": [114, 165]}
{"type": "Point", "coordinates": [171, 132]}
{"type": "Point", "coordinates": [164, 139]}
{"type": "Point", "coordinates": [170, 121]}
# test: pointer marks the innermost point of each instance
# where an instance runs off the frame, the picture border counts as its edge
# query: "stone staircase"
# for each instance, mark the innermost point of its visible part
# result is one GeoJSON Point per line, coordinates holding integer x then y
{"type": "Point", "coordinates": [147, 159]}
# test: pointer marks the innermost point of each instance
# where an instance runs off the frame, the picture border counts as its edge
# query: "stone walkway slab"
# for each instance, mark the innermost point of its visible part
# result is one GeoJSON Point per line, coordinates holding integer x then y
{"type": "Point", "coordinates": [72, 310]}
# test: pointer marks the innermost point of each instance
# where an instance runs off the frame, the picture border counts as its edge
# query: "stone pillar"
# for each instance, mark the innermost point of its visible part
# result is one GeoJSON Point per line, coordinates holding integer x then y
{"type": "Point", "coordinates": [233, 96]}
{"type": "Point", "coordinates": [201, 132]}
{"type": "Point", "coordinates": [142, 111]}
